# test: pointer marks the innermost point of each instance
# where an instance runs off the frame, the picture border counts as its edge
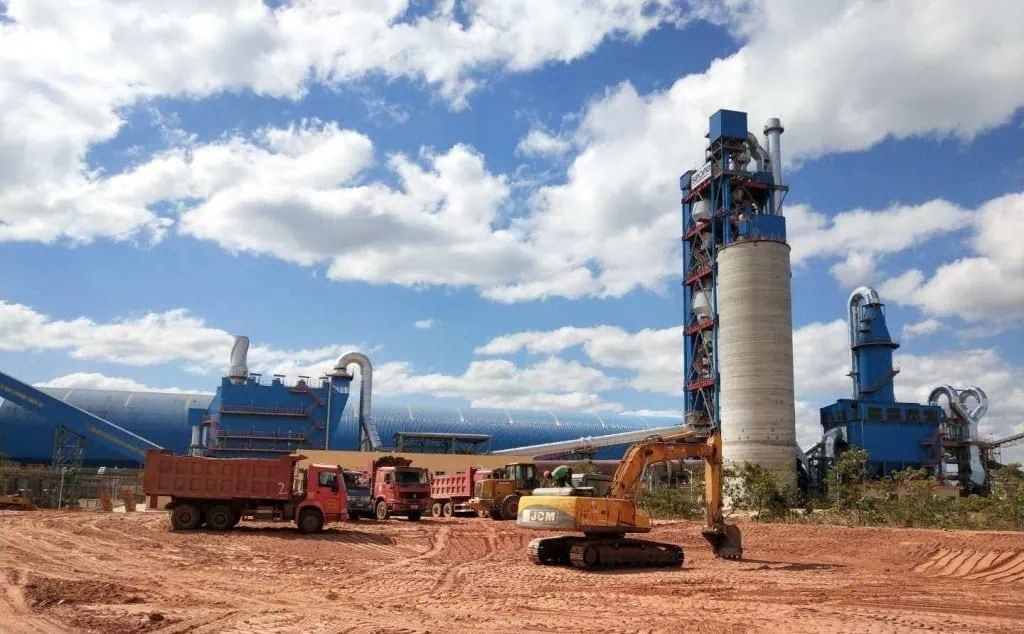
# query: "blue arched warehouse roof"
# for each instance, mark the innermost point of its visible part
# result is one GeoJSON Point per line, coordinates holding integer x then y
{"type": "Point", "coordinates": [163, 418]}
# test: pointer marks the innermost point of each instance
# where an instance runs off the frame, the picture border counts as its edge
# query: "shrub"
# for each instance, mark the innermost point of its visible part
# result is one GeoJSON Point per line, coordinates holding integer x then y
{"type": "Point", "coordinates": [665, 502]}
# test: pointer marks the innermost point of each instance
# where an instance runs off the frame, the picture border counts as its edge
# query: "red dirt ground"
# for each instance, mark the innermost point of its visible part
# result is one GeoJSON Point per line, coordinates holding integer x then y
{"type": "Point", "coordinates": [94, 572]}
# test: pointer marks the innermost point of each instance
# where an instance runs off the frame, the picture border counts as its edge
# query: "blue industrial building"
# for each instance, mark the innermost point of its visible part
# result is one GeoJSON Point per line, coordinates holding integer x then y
{"type": "Point", "coordinates": [896, 435]}
{"type": "Point", "coordinates": [164, 419]}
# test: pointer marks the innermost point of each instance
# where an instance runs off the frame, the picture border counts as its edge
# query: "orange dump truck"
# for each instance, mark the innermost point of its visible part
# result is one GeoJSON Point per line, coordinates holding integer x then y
{"type": "Point", "coordinates": [219, 492]}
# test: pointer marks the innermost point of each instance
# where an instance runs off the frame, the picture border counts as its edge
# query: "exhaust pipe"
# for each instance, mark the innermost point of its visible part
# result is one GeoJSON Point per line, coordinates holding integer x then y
{"type": "Point", "coordinates": [239, 370]}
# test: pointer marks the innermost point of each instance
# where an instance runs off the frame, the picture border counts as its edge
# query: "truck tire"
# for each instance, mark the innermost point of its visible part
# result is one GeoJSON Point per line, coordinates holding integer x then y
{"type": "Point", "coordinates": [310, 521]}
{"type": "Point", "coordinates": [185, 517]}
{"type": "Point", "coordinates": [220, 517]}
{"type": "Point", "coordinates": [510, 506]}
{"type": "Point", "coordinates": [435, 509]}
{"type": "Point", "coordinates": [414, 516]}
{"type": "Point", "coordinates": [448, 509]}
{"type": "Point", "coordinates": [382, 510]}
{"type": "Point", "coordinates": [495, 513]}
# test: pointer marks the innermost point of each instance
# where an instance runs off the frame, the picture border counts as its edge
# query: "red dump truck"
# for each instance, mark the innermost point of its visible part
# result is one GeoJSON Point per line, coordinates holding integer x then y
{"type": "Point", "coordinates": [450, 492]}
{"type": "Point", "coordinates": [219, 492]}
{"type": "Point", "coordinates": [398, 488]}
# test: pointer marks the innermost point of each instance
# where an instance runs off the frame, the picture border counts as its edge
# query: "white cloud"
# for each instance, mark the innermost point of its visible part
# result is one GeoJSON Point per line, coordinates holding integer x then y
{"type": "Point", "coordinates": [923, 328]}
{"type": "Point", "coordinates": [842, 77]}
{"type": "Point", "coordinates": [862, 233]}
{"type": "Point", "coordinates": [655, 413]}
{"type": "Point", "coordinates": [539, 143]}
{"type": "Point", "coordinates": [986, 286]}
{"type": "Point", "coordinates": [856, 270]}
{"type": "Point", "coordinates": [425, 324]}
{"type": "Point", "coordinates": [71, 72]}
{"type": "Point", "coordinates": [653, 355]}
{"type": "Point", "coordinates": [173, 336]}
{"type": "Point", "coordinates": [96, 381]}
{"type": "Point", "coordinates": [549, 384]}
{"type": "Point", "coordinates": [178, 337]}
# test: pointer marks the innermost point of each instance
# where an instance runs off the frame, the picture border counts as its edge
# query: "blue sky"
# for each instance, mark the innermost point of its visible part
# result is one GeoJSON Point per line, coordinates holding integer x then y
{"type": "Point", "coordinates": [322, 178]}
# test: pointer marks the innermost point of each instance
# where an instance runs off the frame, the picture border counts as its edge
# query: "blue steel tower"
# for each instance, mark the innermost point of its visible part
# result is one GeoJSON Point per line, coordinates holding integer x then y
{"type": "Point", "coordinates": [738, 355]}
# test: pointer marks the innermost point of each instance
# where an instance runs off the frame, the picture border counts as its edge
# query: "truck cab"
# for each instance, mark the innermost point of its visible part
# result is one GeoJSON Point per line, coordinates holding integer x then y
{"type": "Point", "coordinates": [359, 501]}
{"type": "Point", "coordinates": [399, 488]}
{"type": "Point", "coordinates": [325, 492]}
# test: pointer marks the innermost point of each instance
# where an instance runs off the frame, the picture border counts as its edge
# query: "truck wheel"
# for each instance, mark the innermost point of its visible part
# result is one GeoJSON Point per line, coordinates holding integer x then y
{"type": "Point", "coordinates": [448, 509]}
{"type": "Point", "coordinates": [310, 521]}
{"type": "Point", "coordinates": [435, 509]}
{"type": "Point", "coordinates": [510, 506]}
{"type": "Point", "coordinates": [495, 513]}
{"type": "Point", "coordinates": [220, 517]}
{"type": "Point", "coordinates": [382, 510]}
{"type": "Point", "coordinates": [185, 517]}
{"type": "Point", "coordinates": [414, 516]}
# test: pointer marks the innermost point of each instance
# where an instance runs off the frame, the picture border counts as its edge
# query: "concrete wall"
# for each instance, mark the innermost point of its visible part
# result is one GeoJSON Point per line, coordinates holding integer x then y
{"type": "Point", "coordinates": [446, 463]}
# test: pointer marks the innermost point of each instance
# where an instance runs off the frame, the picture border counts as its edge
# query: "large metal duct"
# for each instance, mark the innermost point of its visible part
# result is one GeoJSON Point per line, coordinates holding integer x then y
{"type": "Point", "coordinates": [239, 370]}
{"type": "Point", "coordinates": [755, 342]}
{"type": "Point", "coordinates": [368, 440]}
{"type": "Point", "coordinates": [773, 136]}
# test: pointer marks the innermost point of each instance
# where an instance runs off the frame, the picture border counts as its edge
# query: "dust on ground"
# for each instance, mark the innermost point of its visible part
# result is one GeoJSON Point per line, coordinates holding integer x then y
{"type": "Point", "coordinates": [94, 572]}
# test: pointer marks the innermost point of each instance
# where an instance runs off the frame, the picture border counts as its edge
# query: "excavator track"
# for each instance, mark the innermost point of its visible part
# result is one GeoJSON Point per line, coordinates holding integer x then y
{"type": "Point", "coordinates": [591, 554]}
{"type": "Point", "coordinates": [551, 551]}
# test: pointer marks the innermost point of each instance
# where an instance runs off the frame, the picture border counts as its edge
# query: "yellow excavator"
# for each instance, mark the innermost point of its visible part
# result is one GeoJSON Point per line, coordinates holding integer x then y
{"type": "Point", "coordinates": [605, 520]}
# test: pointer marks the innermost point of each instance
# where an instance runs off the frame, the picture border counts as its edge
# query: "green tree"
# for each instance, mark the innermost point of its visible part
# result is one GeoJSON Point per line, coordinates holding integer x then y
{"type": "Point", "coordinates": [845, 480]}
{"type": "Point", "coordinates": [752, 487]}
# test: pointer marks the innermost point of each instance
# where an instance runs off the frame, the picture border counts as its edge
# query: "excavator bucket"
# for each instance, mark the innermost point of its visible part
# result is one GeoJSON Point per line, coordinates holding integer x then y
{"type": "Point", "coordinates": [726, 541]}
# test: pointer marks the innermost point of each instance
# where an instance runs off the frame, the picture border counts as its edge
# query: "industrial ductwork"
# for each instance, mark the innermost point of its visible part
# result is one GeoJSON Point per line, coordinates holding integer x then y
{"type": "Point", "coordinates": [368, 439]}
{"type": "Point", "coordinates": [757, 151]}
{"type": "Point", "coordinates": [773, 133]}
{"type": "Point", "coordinates": [239, 370]}
{"type": "Point", "coordinates": [958, 405]}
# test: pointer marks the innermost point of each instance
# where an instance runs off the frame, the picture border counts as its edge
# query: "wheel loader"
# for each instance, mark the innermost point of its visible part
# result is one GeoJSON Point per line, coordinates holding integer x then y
{"type": "Point", "coordinates": [17, 502]}
{"type": "Point", "coordinates": [605, 520]}
{"type": "Point", "coordinates": [498, 496]}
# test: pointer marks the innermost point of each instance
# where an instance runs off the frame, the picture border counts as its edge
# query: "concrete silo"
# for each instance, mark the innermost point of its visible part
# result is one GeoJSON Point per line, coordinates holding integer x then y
{"type": "Point", "coordinates": [739, 327]}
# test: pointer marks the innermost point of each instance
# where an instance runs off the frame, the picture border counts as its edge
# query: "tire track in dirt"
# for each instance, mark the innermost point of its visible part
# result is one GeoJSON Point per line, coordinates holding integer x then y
{"type": "Point", "coordinates": [974, 565]}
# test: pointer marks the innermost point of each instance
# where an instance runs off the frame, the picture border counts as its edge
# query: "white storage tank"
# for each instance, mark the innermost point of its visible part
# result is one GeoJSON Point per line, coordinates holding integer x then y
{"type": "Point", "coordinates": [755, 354]}
{"type": "Point", "coordinates": [701, 210]}
{"type": "Point", "coordinates": [702, 305]}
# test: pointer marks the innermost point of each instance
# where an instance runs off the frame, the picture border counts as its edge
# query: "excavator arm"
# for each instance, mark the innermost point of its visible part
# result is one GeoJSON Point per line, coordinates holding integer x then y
{"type": "Point", "coordinates": [725, 540]}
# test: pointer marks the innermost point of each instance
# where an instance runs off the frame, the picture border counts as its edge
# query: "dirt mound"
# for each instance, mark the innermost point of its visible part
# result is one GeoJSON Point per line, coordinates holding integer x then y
{"type": "Point", "coordinates": [44, 592]}
{"type": "Point", "coordinates": [975, 565]}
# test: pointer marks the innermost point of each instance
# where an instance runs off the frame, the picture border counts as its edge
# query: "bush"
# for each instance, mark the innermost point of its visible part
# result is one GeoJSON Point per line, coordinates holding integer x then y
{"type": "Point", "coordinates": [664, 502]}
{"type": "Point", "coordinates": [754, 488]}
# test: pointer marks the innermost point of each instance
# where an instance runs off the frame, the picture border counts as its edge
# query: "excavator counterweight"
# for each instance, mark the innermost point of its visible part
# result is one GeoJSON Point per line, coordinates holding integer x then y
{"type": "Point", "coordinates": [604, 521]}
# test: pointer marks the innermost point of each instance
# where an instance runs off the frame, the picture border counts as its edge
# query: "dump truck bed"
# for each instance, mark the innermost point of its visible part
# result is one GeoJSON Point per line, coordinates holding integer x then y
{"type": "Point", "coordinates": [453, 485]}
{"type": "Point", "coordinates": [219, 478]}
